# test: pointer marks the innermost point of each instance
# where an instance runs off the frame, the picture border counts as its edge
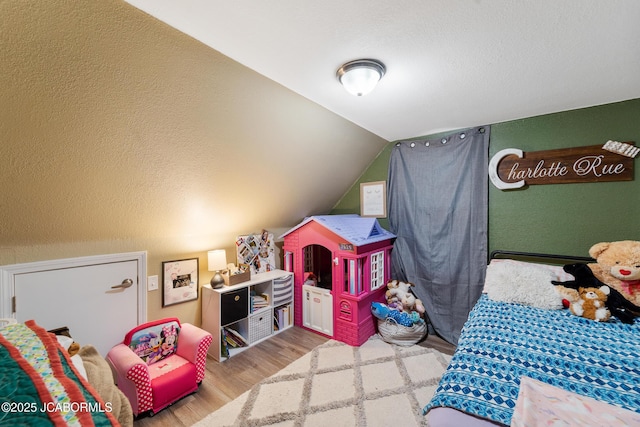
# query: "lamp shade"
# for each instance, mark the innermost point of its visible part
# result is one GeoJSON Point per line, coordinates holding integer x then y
{"type": "Point", "coordinates": [361, 76]}
{"type": "Point", "coordinates": [217, 260]}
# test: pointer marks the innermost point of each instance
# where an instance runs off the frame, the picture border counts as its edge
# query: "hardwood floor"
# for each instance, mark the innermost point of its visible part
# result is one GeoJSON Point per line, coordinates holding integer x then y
{"type": "Point", "coordinates": [224, 381]}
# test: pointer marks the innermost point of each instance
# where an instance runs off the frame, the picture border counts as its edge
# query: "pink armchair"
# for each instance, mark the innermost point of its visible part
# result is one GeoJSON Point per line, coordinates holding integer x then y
{"type": "Point", "coordinates": [159, 362]}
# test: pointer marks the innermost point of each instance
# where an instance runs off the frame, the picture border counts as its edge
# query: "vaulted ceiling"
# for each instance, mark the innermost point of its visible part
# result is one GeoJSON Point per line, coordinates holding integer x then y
{"type": "Point", "coordinates": [450, 64]}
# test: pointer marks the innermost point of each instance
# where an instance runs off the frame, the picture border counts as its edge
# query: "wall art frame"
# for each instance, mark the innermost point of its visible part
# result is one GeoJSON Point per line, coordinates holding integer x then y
{"type": "Point", "coordinates": [373, 199]}
{"type": "Point", "coordinates": [179, 281]}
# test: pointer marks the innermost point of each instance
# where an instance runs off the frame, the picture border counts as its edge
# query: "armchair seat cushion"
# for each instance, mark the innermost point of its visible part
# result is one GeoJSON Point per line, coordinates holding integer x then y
{"type": "Point", "coordinates": [171, 378]}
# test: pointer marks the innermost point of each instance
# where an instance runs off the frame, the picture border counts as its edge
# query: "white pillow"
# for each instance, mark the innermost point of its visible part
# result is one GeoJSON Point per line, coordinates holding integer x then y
{"type": "Point", "coordinates": [524, 283]}
{"type": "Point", "coordinates": [79, 364]}
{"type": "Point", "coordinates": [64, 341]}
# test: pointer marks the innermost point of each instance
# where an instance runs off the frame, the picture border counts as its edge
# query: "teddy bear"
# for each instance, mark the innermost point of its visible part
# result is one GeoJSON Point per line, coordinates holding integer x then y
{"type": "Point", "coordinates": [619, 307]}
{"type": "Point", "coordinates": [400, 297]}
{"type": "Point", "coordinates": [591, 304]}
{"type": "Point", "coordinates": [618, 266]}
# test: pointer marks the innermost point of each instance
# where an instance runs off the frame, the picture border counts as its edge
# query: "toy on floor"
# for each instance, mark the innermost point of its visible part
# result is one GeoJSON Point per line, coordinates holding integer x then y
{"type": "Point", "coordinates": [383, 312]}
{"type": "Point", "coordinates": [338, 302]}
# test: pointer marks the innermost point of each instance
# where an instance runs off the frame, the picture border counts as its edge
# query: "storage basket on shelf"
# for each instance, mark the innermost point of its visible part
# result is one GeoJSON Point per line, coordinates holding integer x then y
{"type": "Point", "coordinates": [282, 290]}
{"type": "Point", "coordinates": [260, 326]}
{"type": "Point", "coordinates": [395, 333]}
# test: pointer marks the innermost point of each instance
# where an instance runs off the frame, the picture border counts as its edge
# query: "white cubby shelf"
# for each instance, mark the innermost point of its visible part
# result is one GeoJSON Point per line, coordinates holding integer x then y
{"type": "Point", "coordinates": [244, 314]}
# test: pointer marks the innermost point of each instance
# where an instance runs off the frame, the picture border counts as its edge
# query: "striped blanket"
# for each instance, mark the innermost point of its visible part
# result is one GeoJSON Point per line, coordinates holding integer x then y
{"type": "Point", "coordinates": [502, 342]}
{"type": "Point", "coordinates": [39, 384]}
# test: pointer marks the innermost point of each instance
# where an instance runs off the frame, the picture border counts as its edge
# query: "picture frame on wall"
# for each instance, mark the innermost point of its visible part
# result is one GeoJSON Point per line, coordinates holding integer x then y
{"type": "Point", "coordinates": [373, 199]}
{"type": "Point", "coordinates": [179, 281]}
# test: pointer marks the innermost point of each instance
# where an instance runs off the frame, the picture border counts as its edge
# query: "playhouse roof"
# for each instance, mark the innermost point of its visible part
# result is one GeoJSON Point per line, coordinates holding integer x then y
{"type": "Point", "coordinates": [353, 228]}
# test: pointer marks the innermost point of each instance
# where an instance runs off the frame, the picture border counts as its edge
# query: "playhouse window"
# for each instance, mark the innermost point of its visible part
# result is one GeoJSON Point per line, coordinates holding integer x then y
{"type": "Point", "coordinates": [353, 276]}
{"type": "Point", "coordinates": [308, 258]}
{"type": "Point", "coordinates": [377, 270]}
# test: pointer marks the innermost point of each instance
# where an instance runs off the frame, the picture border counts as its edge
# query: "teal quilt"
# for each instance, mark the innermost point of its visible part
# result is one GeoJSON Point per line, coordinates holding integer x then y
{"type": "Point", "coordinates": [502, 342]}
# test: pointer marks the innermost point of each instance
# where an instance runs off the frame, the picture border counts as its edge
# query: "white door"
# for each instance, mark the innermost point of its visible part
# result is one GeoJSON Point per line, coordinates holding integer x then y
{"type": "Point", "coordinates": [97, 300]}
{"type": "Point", "coordinates": [317, 309]}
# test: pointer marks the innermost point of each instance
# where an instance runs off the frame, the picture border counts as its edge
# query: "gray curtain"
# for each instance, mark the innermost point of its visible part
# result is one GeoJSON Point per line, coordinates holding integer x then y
{"type": "Point", "coordinates": [438, 203]}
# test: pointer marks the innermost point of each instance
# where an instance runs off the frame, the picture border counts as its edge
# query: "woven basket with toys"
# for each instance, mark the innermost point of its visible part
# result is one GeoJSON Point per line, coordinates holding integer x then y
{"type": "Point", "coordinates": [401, 319]}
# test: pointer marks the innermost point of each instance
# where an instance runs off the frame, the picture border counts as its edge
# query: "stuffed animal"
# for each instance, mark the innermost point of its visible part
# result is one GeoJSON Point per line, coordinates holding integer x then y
{"type": "Point", "coordinates": [383, 312]}
{"type": "Point", "coordinates": [568, 294]}
{"type": "Point", "coordinates": [620, 307]}
{"type": "Point", "coordinates": [400, 297]}
{"type": "Point", "coordinates": [618, 266]}
{"type": "Point", "coordinates": [591, 304]}
{"type": "Point", "coordinates": [393, 300]}
{"type": "Point", "coordinates": [74, 348]}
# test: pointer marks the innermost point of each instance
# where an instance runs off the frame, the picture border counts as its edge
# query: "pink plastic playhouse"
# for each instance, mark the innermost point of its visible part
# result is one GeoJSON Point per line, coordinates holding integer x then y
{"type": "Point", "coordinates": [341, 264]}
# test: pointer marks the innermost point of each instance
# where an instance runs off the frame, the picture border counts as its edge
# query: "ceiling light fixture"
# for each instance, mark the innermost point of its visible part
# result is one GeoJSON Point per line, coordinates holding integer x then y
{"type": "Point", "coordinates": [361, 76]}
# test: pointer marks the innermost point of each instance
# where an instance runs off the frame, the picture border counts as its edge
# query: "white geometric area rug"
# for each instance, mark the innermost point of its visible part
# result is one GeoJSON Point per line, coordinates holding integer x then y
{"type": "Point", "coordinates": [376, 384]}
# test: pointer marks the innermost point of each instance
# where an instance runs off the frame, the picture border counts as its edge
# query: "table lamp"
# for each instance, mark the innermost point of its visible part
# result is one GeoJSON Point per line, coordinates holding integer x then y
{"type": "Point", "coordinates": [217, 261]}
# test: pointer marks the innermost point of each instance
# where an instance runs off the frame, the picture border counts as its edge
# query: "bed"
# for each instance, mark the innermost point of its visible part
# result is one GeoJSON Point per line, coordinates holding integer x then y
{"type": "Point", "coordinates": [43, 384]}
{"type": "Point", "coordinates": [524, 360]}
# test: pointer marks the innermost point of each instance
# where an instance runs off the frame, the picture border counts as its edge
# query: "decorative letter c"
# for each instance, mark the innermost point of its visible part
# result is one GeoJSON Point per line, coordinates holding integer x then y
{"type": "Point", "coordinates": [493, 169]}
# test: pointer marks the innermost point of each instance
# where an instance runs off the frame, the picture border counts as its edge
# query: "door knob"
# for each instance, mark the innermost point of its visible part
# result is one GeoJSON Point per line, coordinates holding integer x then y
{"type": "Point", "coordinates": [126, 283]}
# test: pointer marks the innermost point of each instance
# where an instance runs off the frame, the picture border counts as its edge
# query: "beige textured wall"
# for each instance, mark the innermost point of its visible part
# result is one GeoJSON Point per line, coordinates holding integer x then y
{"type": "Point", "coordinates": [118, 133]}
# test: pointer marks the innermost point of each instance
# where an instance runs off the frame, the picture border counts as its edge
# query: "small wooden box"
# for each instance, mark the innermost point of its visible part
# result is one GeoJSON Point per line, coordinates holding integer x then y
{"type": "Point", "coordinates": [234, 279]}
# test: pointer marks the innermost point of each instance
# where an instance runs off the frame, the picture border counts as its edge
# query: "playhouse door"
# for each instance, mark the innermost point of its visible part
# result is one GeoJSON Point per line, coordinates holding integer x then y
{"type": "Point", "coordinates": [317, 309]}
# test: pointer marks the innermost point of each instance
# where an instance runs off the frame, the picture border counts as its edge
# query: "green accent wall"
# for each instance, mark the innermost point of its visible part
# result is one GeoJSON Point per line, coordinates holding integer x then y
{"type": "Point", "coordinates": [556, 218]}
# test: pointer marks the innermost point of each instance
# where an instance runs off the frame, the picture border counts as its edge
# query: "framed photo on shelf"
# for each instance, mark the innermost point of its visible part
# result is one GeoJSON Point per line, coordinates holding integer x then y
{"type": "Point", "coordinates": [373, 199]}
{"type": "Point", "coordinates": [179, 281]}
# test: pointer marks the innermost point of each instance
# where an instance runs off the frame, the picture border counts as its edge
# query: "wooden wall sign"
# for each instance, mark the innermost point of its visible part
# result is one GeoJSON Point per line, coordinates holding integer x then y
{"type": "Point", "coordinates": [511, 168]}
